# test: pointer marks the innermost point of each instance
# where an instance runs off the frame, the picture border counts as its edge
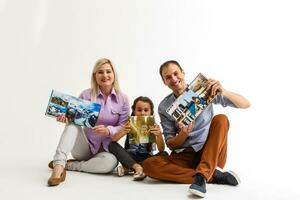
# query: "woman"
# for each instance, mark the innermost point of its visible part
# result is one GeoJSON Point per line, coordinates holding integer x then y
{"type": "Point", "coordinates": [89, 146]}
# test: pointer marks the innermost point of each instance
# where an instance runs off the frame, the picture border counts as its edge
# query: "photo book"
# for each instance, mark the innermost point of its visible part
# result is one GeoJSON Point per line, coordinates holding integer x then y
{"type": "Point", "coordinates": [78, 111]}
{"type": "Point", "coordinates": [194, 99]}
{"type": "Point", "coordinates": [140, 129]}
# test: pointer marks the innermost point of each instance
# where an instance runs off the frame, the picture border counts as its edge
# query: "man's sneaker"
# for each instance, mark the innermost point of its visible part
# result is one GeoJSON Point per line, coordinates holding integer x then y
{"type": "Point", "coordinates": [199, 186]}
{"type": "Point", "coordinates": [225, 177]}
{"type": "Point", "coordinates": [139, 176]}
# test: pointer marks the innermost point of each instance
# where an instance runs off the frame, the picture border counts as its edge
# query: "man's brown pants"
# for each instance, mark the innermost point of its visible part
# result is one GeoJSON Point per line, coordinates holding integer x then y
{"type": "Point", "coordinates": [182, 167]}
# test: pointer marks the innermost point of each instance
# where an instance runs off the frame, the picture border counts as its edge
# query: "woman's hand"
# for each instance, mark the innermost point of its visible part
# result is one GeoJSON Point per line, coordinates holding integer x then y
{"type": "Point", "coordinates": [101, 130]}
{"type": "Point", "coordinates": [62, 119]}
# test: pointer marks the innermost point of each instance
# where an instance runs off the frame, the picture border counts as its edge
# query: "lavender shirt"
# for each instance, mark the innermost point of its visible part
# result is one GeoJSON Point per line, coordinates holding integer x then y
{"type": "Point", "coordinates": [113, 114]}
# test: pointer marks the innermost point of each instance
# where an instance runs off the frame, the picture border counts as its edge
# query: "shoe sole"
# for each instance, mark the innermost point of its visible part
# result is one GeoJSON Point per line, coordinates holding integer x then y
{"type": "Point", "coordinates": [139, 177]}
{"type": "Point", "coordinates": [197, 193]}
{"type": "Point", "coordinates": [235, 176]}
{"type": "Point", "coordinates": [57, 181]}
{"type": "Point", "coordinates": [232, 173]}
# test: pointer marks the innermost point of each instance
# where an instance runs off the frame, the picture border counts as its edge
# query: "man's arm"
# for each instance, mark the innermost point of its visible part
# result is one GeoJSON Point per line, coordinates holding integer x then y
{"type": "Point", "coordinates": [175, 136]}
{"type": "Point", "coordinates": [238, 100]}
{"type": "Point", "coordinates": [173, 139]}
{"type": "Point", "coordinates": [177, 141]}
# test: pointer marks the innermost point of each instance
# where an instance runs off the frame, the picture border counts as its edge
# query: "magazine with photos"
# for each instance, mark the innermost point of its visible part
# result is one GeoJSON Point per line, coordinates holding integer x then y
{"type": "Point", "coordinates": [78, 111]}
{"type": "Point", "coordinates": [140, 129]}
{"type": "Point", "coordinates": [194, 99]}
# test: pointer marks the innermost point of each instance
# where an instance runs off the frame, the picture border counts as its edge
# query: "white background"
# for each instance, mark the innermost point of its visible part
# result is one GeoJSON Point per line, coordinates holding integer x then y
{"type": "Point", "coordinates": [252, 47]}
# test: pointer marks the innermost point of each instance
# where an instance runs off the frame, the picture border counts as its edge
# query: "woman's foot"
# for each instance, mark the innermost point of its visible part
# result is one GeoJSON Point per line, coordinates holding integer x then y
{"type": "Point", "coordinates": [58, 175]}
{"type": "Point", "coordinates": [68, 164]}
{"type": "Point", "coordinates": [139, 175]}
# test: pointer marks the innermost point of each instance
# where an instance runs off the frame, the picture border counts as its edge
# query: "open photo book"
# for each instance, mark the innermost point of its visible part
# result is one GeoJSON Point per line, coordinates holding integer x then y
{"type": "Point", "coordinates": [194, 99]}
{"type": "Point", "coordinates": [78, 111]}
{"type": "Point", "coordinates": [140, 129]}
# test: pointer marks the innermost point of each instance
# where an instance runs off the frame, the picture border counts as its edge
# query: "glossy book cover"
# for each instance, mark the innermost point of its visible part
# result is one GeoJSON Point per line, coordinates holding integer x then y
{"type": "Point", "coordinates": [140, 129]}
{"type": "Point", "coordinates": [78, 111]}
{"type": "Point", "coordinates": [194, 99]}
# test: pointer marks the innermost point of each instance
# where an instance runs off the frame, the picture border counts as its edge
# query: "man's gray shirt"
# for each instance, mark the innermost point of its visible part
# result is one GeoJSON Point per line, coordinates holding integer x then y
{"type": "Point", "coordinates": [198, 136]}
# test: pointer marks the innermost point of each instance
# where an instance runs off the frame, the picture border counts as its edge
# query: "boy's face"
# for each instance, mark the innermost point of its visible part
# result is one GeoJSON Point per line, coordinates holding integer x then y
{"type": "Point", "coordinates": [173, 77]}
{"type": "Point", "coordinates": [142, 109]}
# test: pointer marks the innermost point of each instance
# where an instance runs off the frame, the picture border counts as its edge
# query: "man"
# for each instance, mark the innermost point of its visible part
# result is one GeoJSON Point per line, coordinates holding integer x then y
{"type": "Point", "coordinates": [198, 149]}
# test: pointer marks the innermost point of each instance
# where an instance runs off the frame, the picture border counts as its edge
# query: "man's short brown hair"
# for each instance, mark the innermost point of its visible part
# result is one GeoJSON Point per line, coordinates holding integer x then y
{"type": "Point", "coordinates": [166, 64]}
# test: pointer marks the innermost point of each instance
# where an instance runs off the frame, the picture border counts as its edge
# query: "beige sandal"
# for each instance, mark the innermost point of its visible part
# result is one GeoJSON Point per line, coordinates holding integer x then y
{"type": "Point", "coordinates": [56, 181]}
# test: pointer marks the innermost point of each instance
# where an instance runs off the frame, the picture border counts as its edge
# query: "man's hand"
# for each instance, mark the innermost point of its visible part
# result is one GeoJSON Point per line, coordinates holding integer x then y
{"type": "Point", "coordinates": [179, 139]}
{"type": "Point", "coordinates": [187, 129]}
{"type": "Point", "coordinates": [215, 86]}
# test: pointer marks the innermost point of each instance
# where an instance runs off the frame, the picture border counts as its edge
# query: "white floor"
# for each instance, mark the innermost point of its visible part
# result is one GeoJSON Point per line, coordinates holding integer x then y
{"type": "Point", "coordinates": [27, 179]}
{"type": "Point", "coordinates": [251, 47]}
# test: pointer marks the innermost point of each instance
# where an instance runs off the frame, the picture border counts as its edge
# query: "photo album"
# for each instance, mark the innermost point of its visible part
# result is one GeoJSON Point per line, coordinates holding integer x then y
{"type": "Point", "coordinates": [194, 99]}
{"type": "Point", "coordinates": [78, 111]}
{"type": "Point", "coordinates": [140, 129]}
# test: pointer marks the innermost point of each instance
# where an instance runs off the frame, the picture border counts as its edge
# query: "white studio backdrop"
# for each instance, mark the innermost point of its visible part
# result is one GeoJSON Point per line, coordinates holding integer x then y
{"type": "Point", "coordinates": [252, 47]}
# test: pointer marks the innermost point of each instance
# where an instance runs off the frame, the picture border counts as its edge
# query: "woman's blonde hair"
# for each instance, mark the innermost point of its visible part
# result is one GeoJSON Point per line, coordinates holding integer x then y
{"type": "Point", "coordinates": [94, 85]}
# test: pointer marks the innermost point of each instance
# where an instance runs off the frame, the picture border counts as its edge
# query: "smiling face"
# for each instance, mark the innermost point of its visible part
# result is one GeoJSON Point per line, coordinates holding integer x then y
{"type": "Point", "coordinates": [105, 76]}
{"type": "Point", "coordinates": [142, 109]}
{"type": "Point", "coordinates": [173, 77]}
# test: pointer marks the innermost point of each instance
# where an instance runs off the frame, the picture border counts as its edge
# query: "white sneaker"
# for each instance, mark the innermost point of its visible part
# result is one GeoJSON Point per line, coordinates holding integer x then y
{"type": "Point", "coordinates": [139, 176]}
{"type": "Point", "coordinates": [122, 171]}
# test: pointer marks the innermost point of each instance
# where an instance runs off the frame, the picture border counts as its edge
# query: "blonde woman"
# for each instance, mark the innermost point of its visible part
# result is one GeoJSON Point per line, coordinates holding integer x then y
{"type": "Point", "coordinates": [89, 146]}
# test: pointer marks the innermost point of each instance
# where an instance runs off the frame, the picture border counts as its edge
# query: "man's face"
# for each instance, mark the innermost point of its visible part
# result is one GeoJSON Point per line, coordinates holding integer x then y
{"type": "Point", "coordinates": [173, 77]}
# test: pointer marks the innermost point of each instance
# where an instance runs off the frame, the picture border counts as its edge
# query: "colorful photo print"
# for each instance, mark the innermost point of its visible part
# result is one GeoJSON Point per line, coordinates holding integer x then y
{"type": "Point", "coordinates": [78, 111]}
{"type": "Point", "coordinates": [190, 104]}
{"type": "Point", "coordinates": [140, 129]}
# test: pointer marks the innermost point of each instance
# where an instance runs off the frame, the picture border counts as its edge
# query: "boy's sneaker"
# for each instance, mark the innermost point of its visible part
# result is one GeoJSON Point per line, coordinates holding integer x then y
{"type": "Point", "coordinates": [225, 177]}
{"type": "Point", "coordinates": [122, 171]}
{"type": "Point", "coordinates": [198, 188]}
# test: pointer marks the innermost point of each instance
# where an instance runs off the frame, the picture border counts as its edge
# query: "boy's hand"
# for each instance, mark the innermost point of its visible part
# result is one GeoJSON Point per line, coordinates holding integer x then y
{"type": "Point", "coordinates": [126, 128]}
{"type": "Point", "coordinates": [155, 130]}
